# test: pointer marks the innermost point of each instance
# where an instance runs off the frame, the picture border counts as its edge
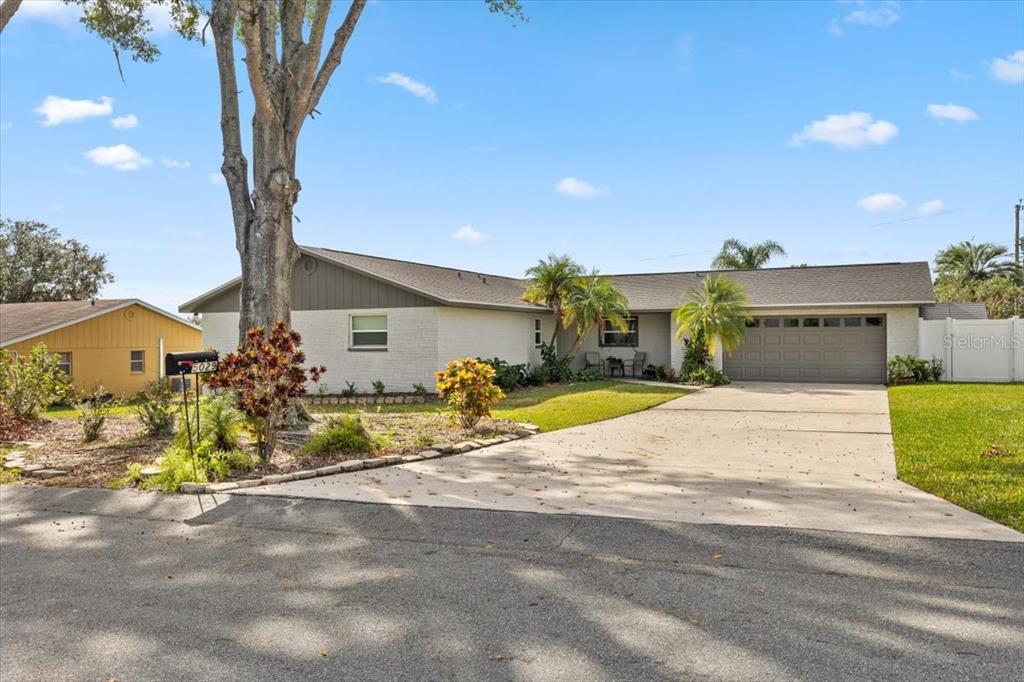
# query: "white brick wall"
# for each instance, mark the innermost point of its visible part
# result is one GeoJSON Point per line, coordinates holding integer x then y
{"type": "Point", "coordinates": [420, 342]}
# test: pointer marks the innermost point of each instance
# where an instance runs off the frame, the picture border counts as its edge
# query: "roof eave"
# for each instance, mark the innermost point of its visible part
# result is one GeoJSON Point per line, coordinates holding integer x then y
{"type": "Point", "coordinates": [97, 313]}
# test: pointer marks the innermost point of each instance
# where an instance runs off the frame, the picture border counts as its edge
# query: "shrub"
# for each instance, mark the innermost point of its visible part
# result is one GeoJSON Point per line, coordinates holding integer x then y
{"type": "Point", "coordinates": [507, 376]}
{"type": "Point", "coordinates": [92, 414]}
{"type": "Point", "coordinates": [585, 375]}
{"type": "Point", "coordinates": [221, 422]}
{"type": "Point", "coordinates": [668, 373]}
{"type": "Point", "coordinates": [695, 355]}
{"type": "Point", "coordinates": [419, 389]}
{"type": "Point", "coordinates": [349, 390]}
{"type": "Point", "coordinates": [709, 376]}
{"type": "Point", "coordinates": [31, 383]}
{"type": "Point", "coordinates": [344, 434]}
{"type": "Point", "coordinates": [906, 369]}
{"type": "Point", "coordinates": [12, 426]}
{"type": "Point", "coordinates": [155, 406]}
{"type": "Point", "coordinates": [378, 387]}
{"type": "Point", "coordinates": [423, 440]}
{"type": "Point", "coordinates": [267, 375]}
{"type": "Point", "coordinates": [468, 387]}
{"type": "Point", "coordinates": [553, 368]}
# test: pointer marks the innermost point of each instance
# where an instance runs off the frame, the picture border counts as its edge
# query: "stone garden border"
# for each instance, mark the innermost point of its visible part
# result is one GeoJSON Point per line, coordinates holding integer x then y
{"type": "Point", "coordinates": [525, 430]}
{"type": "Point", "coordinates": [367, 399]}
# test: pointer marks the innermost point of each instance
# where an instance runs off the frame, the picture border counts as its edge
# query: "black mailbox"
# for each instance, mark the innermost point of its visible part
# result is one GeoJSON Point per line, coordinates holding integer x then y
{"type": "Point", "coordinates": [201, 362]}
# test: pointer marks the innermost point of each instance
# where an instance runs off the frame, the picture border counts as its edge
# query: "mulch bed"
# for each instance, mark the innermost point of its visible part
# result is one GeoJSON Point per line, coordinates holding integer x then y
{"type": "Point", "coordinates": [101, 463]}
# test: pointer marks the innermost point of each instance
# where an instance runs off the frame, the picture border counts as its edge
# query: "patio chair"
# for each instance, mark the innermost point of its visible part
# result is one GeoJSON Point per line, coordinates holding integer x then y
{"type": "Point", "coordinates": [593, 359]}
{"type": "Point", "coordinates": [638, 363]}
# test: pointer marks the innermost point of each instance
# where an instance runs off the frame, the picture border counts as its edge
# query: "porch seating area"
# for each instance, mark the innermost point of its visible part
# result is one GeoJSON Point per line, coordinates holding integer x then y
{"type": "Point", "coordinates": [612, 366]}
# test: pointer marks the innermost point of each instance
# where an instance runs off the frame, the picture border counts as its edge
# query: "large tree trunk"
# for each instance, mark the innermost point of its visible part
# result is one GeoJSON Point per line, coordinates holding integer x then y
{"type": "Point", "coordinates": [7, 10]}
{"type": "Point", "coordinates": [286, 88]}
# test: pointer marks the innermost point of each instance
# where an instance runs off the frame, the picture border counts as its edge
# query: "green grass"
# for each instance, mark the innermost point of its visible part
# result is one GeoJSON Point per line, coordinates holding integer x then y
{"type": "Point", "coordinates": [71, 412]}
{"type": "Point", "coordinates": [940, 432]}
{"type": "Point", "coordinates": [553, 407]}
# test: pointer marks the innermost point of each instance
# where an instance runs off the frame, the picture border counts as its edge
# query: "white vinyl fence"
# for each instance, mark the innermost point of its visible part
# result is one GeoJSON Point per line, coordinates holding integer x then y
{"type": "Point", "coordinates": [974, 350]}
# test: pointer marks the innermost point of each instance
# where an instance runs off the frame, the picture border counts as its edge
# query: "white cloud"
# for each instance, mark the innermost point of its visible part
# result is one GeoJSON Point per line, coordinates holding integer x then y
{"type": "Point", "coordinates": [57, 110]}
{"type": "Point", "coordinates": [122, 122]}
{"type": "Point", "coordinates": [216, 178]}
{"type": "Point", "coordinates": [846, 131]}
{"type": "Point", "coordinates": [883, 201]}
{"type": "Point", "coordinates": [119, 157]}
{"type": "Point", "coordinates": [573, 187]}
{"type": "Point", "coordinates": [466, 233]}
{"type": "Point", "coordinates": [173, 163]}
{"type": "Point", "coordinates": [931, 207]}
{"type": "Point", "coordinates": [874, 14]}
{"type": "Point", "coordinates": [952, 112]}
{"type": "Point", "coordinates": [49, 11]}
{"type": "Point", "coordinates": [1009, 69]}
{"type": "Point", "coordinates": [414, 86]}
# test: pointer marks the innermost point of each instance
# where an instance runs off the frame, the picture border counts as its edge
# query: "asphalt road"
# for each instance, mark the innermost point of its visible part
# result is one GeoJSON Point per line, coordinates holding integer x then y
{"type": "Point", "coordinates": [98, 584]}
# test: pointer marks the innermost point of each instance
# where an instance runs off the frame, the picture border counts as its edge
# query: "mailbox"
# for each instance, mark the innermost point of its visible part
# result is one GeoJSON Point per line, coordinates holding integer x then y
{"type": "Point", "coordinates": [201, 362]}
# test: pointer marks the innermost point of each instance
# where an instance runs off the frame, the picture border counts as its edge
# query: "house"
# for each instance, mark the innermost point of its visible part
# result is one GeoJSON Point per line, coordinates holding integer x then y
{"type": "Point", "coordinates": [369, 318]}
{"type": "Point", "coordinates": [116, 343]}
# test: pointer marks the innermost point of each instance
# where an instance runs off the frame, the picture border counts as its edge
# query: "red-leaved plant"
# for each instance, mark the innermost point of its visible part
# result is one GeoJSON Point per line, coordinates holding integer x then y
{"type": "Point", "coordinates": [267, 375]}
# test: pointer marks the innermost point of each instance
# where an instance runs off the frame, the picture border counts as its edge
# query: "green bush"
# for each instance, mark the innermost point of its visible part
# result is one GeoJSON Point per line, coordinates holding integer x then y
{"type": "Point", "coordinates": [586, 375]}
{"type": "Point", "coordinates": [419, 389]}
{"type": "Point", "coordinates": [31, 383]}
{"type": "Point", "coordinates": [906, 369]}
{"type": "Point", "coordinates": [350, 390]}
{"type": "Point", "coordinates": [467, 385]}
{"type": "Point", "coordinates": [221, 422]}
{"type": "Point", "coordinates": [507, 376]}
{"type": "Point", "coordinates": [177, 465]}
{"type": "Point", "coordinates": [708, 376]}
{"type": "Point", "coordinates": [156, 408]}
{"type": "Point", "coordinates": [345, 435]}
{"type": "Point", "coordinates": [92, 414]}
{"type": "Point", "coordinates": [555, 369]}
{"type": "Point", "coordinates": [695, 356]}
{"type": "Point", "coordinates": [378, 387]}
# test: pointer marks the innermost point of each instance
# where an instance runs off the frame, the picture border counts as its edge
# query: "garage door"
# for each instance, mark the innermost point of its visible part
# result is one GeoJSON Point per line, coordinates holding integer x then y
{"type": "Point", "coordinates": [846, 349]}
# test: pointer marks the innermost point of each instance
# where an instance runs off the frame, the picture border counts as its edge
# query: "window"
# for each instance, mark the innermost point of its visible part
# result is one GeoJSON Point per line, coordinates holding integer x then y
{"type": "Point", "coordinates": [612, 336]}
{"type": "Point", "coordinates": [64, 362]}
{"type": "Point", "coordinates": [771, 322]}
{"type": "Point", "coordinates": [753, 322]}
{"type": "Point", "coordinates": [369, 331]}
{"type": "Point", "coordinates": [873, 321]}
{"type": "Point", "coordinates": [138, 361]}
{"type": "Point", "coordinates": [536, 334]}
{"type": "Point", "coordinates": [791, 322]}
{"type": "Point", "coordinates": [812, 322]}
{"type": "Point", "coordinates": [832, 321]}
{"type": "Point", "coordinates": [851, 321]}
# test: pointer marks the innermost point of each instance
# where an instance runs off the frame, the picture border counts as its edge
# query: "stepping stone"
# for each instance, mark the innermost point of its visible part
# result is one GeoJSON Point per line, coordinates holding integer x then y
{"type": "Point", "coordinates": [30, 469]}
{"type": "Point", "coordinates": [14, 464]}
{"type": "Point", "coordinates": [49, 473]}
{"type": "Point", "coordinates": [149, 471]}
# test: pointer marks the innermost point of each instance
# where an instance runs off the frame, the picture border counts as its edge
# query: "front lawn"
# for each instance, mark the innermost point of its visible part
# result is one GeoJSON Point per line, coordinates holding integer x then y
{"type": "Point", "coordinates": [964, 443]}
{"type": "Point", "coordinates": [553, 407]}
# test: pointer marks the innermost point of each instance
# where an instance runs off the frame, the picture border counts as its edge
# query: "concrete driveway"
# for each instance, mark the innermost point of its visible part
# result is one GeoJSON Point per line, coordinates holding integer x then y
{"type": "Point", "coordinates": [788, 455]}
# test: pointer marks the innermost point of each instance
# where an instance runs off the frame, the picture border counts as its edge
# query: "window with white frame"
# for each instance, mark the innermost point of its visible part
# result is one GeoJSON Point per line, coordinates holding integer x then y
{"type": "Point", "coordinates": [64, 362]}
{"type": "Point", "coordinates": [138, 361]}
{"type": "Point", "coordinates": [612, 335]}
{"type": "Point", "coordinates": [369, 331]}
{"type": "Point", "coordinates": [537, 341]}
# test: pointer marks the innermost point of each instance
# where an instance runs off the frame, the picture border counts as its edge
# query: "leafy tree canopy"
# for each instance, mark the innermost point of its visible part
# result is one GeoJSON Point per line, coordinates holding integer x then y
{"type": "Point", "coordinates": [970, 261]}
{"type": "Point", "coordinates": [37, 265]}
{"type": "Point", "coordinates": [1003, 297]}
{"type": "Point", "coordinates": [718, 309]}
{"type": "Point", "coordinates": [736, 255]}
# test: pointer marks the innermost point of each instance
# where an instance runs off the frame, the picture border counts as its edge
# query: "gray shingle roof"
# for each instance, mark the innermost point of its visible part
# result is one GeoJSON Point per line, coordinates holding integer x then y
{"type": "Point", "coordinates": [902, 283]}
{"type": "Point", "coordinates": [958, 311]}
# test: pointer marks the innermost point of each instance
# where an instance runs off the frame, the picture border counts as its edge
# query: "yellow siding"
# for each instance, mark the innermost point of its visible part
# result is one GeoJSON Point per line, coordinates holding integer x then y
{"type": "Point", "coordinates": [101, 347]}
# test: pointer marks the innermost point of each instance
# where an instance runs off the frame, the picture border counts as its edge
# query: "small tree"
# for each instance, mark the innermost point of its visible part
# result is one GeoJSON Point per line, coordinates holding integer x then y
{"type": "Point", "coordinates": [156, 408]}
{"type": "Point", "coordinates": [592, 301]}
{"type": "Point", "coordinates": [268, 377]}
{"type": "Point", "coordinates": [716, 310]}
{"type": "Point", "coordinates": [29, 384]}
{"type": "Point", "coordinates": [468, 387]}
{"type": "Point", "coordinates": [735, 255]}
{"type": "Point", "coordinates": [549, 283]}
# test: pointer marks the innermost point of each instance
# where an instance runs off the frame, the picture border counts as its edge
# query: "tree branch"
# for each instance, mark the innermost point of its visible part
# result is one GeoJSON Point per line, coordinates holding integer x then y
{"type": "Point", "coordinates": [256, 63]}
{"type": "Point", "coordinates": [7, 10]}
{"type": "Point", "coordinates": [333, 58]}
{"type": "Point", "coordinates": [235, 166]}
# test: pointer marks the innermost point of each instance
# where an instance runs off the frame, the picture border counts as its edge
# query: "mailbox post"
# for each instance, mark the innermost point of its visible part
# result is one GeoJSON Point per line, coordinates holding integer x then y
{"type": "Point", "coordinates": [196, 364]}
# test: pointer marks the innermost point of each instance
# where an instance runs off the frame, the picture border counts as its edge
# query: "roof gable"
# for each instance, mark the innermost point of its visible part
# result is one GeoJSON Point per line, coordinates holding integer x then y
{"type": "Point", "coordinates": [21, 321]}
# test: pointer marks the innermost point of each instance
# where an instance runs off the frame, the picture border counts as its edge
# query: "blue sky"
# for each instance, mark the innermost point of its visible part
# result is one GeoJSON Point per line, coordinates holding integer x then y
{"type": "Point", "coordinates": [635, 137]}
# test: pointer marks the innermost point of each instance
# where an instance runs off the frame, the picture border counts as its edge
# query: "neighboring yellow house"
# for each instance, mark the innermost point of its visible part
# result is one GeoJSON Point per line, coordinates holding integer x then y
{"type": "Point", "coordinates": [116, 343]}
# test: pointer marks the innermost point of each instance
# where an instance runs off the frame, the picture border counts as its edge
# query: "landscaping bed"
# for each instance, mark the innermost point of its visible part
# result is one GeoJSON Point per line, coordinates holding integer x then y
{"type": "Point", "coordinates": [964, 443]}
{"type": "Point", "coordinates": [57, 444]}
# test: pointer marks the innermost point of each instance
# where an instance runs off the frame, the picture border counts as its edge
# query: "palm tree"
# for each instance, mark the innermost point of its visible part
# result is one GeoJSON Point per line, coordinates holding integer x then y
{"type": "Point", "coordinates": [593, 301]}
{"type": "Point", "coordinates": [735, 255]}
{"type": "Point", "coordinates": [716, 310]}
{"type": "Point", "coordinates": [549, 282]}
{"type": "Point", "coordinates": [968, 261]}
